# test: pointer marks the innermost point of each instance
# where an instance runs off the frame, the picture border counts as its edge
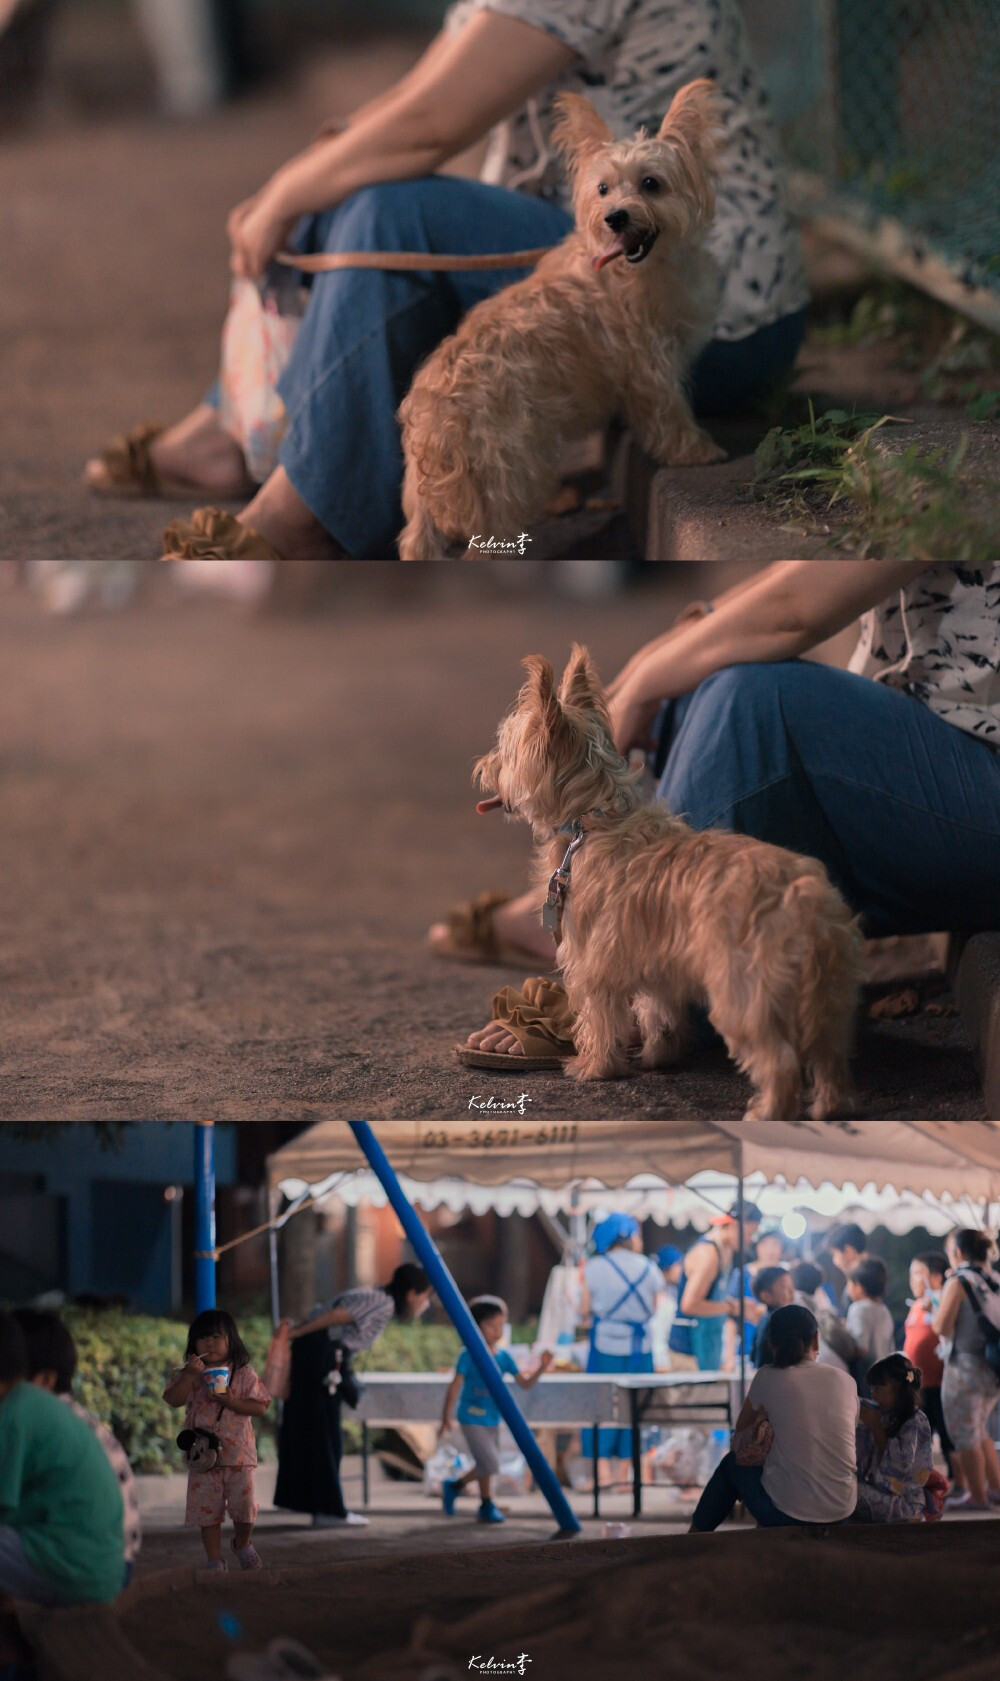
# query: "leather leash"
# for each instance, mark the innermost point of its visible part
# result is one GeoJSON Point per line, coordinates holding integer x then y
{"type": "Point", "coordinates": [324, 262]}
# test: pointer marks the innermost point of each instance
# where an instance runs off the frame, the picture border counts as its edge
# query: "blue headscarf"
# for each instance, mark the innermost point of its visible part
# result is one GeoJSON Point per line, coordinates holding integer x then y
{"type": "Point", "coordinates": [613, 1230]}
{"type": "Point", "coordinates": [669, 1255]}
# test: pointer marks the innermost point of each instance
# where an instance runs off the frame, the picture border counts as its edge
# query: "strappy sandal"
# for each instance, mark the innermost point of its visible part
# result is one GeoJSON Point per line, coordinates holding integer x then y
{"type": "Point", "coordinates": [131, 471]}
{"type": "Point", "coordinates": [538, 1016]}
{"type": "Point", "coordinates": [211, 534]}
{"type": "Point", "coordinates": [472, 937]}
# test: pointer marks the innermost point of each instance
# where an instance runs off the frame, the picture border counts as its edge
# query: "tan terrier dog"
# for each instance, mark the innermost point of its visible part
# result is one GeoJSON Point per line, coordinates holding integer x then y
{"type": "Point", "coordinates": [607, 324]}
{"type": "Point", "coordinates": [655, 917]}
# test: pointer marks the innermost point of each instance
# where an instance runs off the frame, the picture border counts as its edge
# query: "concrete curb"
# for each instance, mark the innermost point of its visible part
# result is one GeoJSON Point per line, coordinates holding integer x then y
{"type": "Point", "coordinates": [977, 992]}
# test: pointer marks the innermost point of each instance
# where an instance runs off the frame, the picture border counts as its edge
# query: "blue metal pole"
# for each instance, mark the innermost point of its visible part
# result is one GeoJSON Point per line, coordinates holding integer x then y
{"type": "Point", "coordinates": [466, 1327]}
{"type": "Point", "coordinates": [204, 1215]}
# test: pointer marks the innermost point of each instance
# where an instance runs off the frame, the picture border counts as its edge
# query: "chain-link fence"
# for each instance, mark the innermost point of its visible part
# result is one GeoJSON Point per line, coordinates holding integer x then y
{"type": "Point", "coordinates": [891, 112]}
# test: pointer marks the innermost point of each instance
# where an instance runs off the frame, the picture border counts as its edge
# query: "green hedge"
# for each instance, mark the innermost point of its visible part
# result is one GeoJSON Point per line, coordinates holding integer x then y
{"type": "Point", "coordinates": [126, 1359]}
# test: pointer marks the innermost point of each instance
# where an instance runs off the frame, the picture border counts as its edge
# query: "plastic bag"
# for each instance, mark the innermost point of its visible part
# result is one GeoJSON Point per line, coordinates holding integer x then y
{"type": "Point", "coordinates": [445, 1463]}
{"type": "Point", "coordinates": [257, 339]}
{"type": "Point", "coordinates": [278, 1364]}
{"type": "Point", "coordinates": [513, 1476]}
{"type": "Point", "coordinates": [687, 1457]}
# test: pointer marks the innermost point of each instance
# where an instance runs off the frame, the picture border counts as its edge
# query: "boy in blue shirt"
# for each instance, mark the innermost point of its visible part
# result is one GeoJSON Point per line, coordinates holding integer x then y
{"type": "Point", "coordinates": [477, 1411]}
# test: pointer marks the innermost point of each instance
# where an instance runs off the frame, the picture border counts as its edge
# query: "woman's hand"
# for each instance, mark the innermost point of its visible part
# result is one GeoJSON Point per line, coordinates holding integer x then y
{"type": "Point", "coordinates": [632, 718]}
{"type": "Point", "coordinates": [257, 229]}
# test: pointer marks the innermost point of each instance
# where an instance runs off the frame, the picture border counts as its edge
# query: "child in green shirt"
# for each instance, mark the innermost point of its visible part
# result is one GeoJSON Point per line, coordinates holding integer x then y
{"type": "Point", "coordinates": [61, 1539]}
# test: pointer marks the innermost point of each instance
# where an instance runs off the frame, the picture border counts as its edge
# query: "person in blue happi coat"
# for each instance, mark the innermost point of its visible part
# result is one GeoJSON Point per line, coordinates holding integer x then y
{"type": "Point", "coordinates": [621, 1286]}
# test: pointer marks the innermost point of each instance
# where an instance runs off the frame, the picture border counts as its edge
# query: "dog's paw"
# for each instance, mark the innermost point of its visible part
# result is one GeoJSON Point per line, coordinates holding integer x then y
{"type": "Point", "coordinates": [593, 1068]}
{"type": "Point", "coordinates": [696, 449]}
{"type": "Point", "coordinates": [827, 1101]}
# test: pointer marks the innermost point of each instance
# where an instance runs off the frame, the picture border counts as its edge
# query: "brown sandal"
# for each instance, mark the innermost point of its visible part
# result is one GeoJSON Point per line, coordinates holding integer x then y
{"type": "Point", "coordinates": [211, 534]}
{"type": "Point", "coordinates": [538, 1016]}
{"type": "Point", "coordinates": [128, 461]}
{"type": "Point", "coordinates": [472, 936]}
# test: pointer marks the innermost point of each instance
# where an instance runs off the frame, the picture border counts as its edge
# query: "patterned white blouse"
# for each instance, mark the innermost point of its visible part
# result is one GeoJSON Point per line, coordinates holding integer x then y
{"type": "Point", "coordinates": [939, 640]}
{"type": "Point", "coordinates": [633, 56]}
{"type": "Point", "coordinates": [371, 1311]}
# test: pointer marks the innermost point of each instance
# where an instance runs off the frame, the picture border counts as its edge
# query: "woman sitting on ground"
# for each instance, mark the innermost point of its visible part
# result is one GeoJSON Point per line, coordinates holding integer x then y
{"type": "Point", "coordinates": [809, 1473]}
{"type": "Point", "coordinates": [895, 1445]}
{"type": "Point", "coordinates": [372, 185]}
{"type": "Point", "coordinates": [888, 773]}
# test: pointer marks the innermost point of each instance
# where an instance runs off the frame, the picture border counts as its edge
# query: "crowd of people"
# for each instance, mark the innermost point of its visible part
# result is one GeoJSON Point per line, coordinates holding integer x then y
{"type": "Point", "coordinates": [851, 1433]}
{"type": "Point", "coordinates": [839, 1421]}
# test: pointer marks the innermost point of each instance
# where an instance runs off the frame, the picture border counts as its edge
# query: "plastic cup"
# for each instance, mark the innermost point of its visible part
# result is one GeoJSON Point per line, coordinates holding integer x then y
{"type": "Point", "coordinates": [217, 1379]}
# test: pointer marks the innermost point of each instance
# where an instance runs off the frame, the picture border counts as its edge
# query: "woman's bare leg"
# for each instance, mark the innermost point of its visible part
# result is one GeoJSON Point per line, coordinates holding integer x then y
{"type": "Point", "coordinates": [196, 452]}
{"type": "Point", "coordinates": [279, 514]}
{"type": "Point", "coordinates": [517, 923]}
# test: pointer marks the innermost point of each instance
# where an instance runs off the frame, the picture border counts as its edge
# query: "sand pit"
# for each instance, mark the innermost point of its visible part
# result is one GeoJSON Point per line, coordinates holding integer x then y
{"type": "Point", "coordinates": [816, 1605]}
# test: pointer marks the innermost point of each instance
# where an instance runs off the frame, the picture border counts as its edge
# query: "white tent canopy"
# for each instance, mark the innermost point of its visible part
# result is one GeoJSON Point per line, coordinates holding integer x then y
{"type": "Point", "coordinates": [953, 1159]}
{"type": "Point", "coordinates": [649, 1198]}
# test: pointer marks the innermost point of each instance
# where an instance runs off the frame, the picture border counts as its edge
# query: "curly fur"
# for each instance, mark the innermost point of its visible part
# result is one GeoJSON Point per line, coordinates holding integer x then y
{"type": "Point", "coordinates": [559, 354]}
{"type": "Point", "coordinates": [660, 916]}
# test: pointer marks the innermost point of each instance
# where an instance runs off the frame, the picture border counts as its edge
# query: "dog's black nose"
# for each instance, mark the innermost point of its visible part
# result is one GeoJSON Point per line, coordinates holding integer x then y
{"type": "Point", "coordinates": [617, 220]}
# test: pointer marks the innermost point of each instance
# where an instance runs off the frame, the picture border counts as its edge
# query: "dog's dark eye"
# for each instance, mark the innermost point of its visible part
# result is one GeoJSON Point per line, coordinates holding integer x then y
{"type": "Point", "coordinates": [603, 189]}
{"type": "Point", "coordinates": [650, 184]}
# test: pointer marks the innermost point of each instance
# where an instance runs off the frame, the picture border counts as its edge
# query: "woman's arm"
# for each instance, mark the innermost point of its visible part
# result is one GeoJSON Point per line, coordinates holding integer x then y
{"type": "Point", "coordinates": [951, 1300]}
{"type": "Point", "coordinates": [787, 609]}
{"type": "Point", "coordinates": [465, 83]}
{"type": "Point", "coordinates": [322, 1322]}
{"type": "Point", "coordinates": [749, 1415]}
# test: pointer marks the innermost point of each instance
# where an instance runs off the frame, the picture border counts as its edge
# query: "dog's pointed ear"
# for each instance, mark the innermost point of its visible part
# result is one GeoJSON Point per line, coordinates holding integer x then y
{"type": "Point", "coordinates": [693, 118]}
{"type": "Point", "coordinates": [539, 691]}
{"type": "Point", "coordinates": [580, 686]}
{"type": "Point", "coordinates": [578, 129]}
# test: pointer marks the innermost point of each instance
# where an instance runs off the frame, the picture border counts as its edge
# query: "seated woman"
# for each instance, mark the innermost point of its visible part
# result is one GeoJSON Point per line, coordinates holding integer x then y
{"type": "Point", "coordinates": [372, 185]}
{"type": "Point", "coordinates": [888, 772]}
{"type": "Point", "coordinates": [895, 1445]}
{"type": "Point", "coordinates": [809, 1474]}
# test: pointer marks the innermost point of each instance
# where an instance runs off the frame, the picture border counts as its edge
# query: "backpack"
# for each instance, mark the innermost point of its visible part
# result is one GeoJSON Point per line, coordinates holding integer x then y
{"type": "Point", "coordinates": [987, 1310]}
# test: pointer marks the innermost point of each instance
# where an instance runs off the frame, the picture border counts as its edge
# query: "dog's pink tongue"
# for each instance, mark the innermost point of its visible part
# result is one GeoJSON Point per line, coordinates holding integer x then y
{"type": "Point", "coordinates": [492, 804]}
{"type": "Point", "coordinates": [615, 249]}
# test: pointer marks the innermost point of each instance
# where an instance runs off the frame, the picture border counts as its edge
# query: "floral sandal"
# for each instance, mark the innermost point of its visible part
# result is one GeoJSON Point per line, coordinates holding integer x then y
{"type": "Point", "coordinates": [538, 1016]}
{"type": "Point", "coordinates": [211, 534]}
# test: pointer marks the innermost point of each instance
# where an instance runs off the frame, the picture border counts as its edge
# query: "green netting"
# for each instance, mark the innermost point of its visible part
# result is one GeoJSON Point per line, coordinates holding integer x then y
{"type": "Point", "coordinates": [903, 119]}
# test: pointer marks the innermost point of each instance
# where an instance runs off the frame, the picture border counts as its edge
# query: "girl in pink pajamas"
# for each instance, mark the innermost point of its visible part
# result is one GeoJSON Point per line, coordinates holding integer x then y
{"type": "Point", "coordinates": [226, 1406]}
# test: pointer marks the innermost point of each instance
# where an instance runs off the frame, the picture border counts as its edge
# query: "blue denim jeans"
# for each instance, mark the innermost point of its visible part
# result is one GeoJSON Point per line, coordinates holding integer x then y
{"type": "Point", "coordinates": [730, 1482]}
{"type": "Point", "coordinates": [901, 807]}
{"type": "Point", "coordinates": [365, 332]}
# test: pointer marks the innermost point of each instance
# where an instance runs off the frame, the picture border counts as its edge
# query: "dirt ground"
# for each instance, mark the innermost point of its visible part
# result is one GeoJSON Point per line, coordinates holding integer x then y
{"type": "Point", "coordinates": [114, 271]}
{"type": "Point", "coordinates": [224, 836]}
{"type": "Point", "coordinates": [816, 1605]}
{"type": "Point", "coordinates": [114, 268]}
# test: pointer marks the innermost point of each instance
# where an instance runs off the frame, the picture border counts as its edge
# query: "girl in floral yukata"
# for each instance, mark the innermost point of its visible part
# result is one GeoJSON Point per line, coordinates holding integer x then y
{"type": "Point", "coordinates": [894, 1443]}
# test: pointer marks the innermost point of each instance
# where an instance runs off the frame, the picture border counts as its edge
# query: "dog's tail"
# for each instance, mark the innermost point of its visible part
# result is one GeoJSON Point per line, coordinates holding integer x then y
{"type": "Point", "coordinates": [420, 538]}
{"type": "Point", "coordinates": [832, 966]}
